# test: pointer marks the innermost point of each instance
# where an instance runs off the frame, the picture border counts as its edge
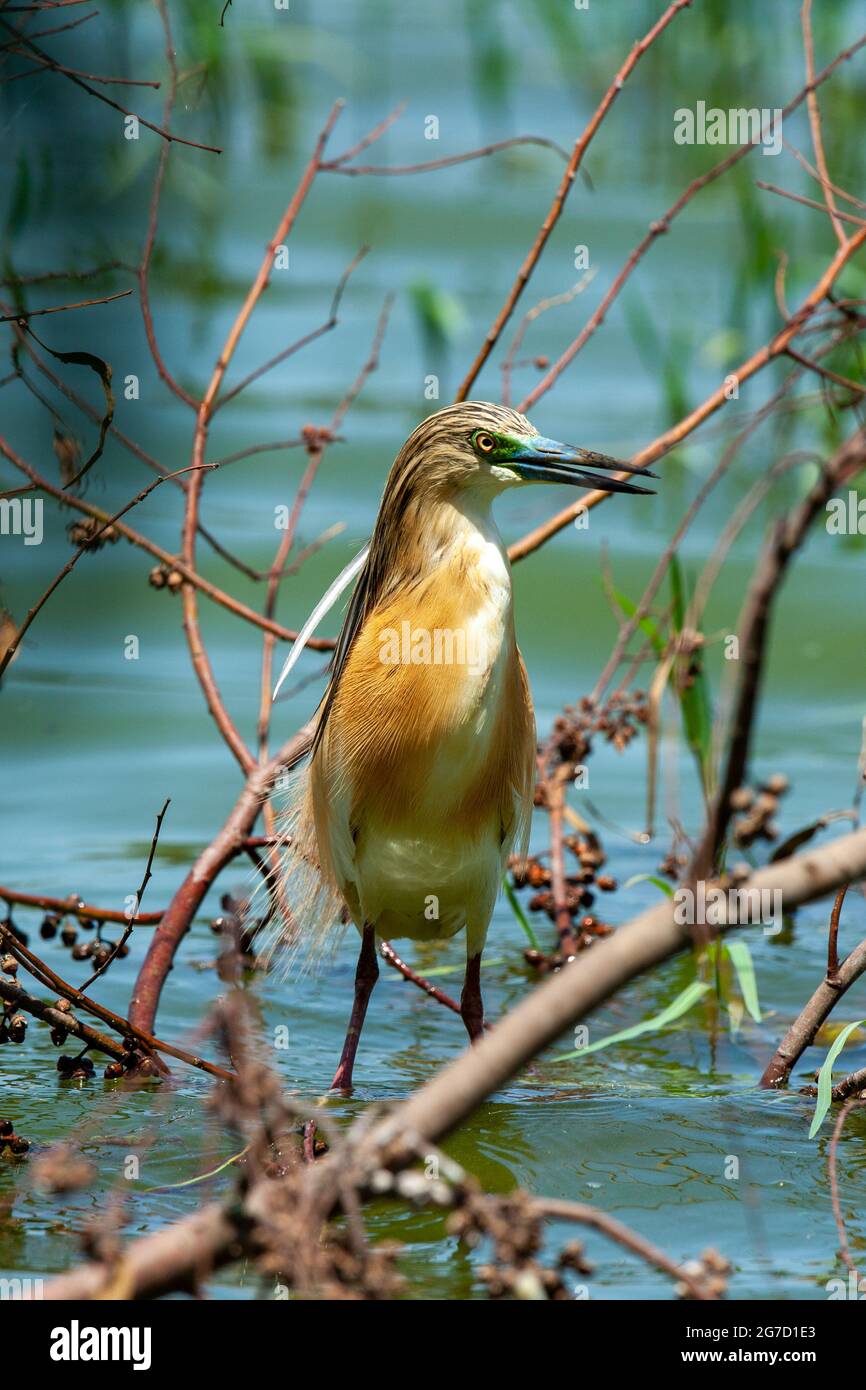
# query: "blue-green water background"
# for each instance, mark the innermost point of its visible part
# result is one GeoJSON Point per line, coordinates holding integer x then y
{"type": "Point", "coordinates": [93, 743]}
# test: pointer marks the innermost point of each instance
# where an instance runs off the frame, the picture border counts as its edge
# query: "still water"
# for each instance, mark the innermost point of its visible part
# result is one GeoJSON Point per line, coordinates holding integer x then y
{"type": "Point", "coordinates": [93, 743]}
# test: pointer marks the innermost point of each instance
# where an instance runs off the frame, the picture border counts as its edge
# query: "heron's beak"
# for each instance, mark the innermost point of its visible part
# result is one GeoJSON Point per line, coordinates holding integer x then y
{"type": "Point", "coordinates": [546, 461]}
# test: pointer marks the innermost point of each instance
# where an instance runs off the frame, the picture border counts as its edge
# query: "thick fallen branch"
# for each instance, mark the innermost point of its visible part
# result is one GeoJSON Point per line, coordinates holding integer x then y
{"type": "Point", "coordinates": [217, 1235]}
{"type": "Point", "coordinates": [564, 999]}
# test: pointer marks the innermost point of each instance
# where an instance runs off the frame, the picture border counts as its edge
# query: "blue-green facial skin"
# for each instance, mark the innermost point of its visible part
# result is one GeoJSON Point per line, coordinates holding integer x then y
{"type": "Point", "coordinates": [508, 446]}
{"type": "Point", "coordinates": [535, 450]}
{"type": "Point", "coordinates": [536, 459]}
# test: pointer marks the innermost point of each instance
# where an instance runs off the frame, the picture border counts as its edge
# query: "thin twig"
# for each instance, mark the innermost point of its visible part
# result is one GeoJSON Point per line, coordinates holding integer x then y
{"type": "Point", "coordinates": [37, 53]}
{"type": "Point", "coordinates": [562, 193]}
{"type": "Point", "coordinates": [121, 942]}
{"type": "Point", "coordinates": [815, 120]}
{"type": "Point", "coordinates": [24, 314]}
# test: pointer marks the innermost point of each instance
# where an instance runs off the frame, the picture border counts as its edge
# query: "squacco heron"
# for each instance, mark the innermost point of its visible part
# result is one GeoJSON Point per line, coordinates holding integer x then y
{"type": "Point", "coordinates": [420, 783]}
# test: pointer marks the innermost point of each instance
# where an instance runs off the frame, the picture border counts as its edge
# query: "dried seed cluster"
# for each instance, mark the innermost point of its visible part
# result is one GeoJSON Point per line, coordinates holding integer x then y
{"type": "Point", "coordinates": [757, 811]}
{"type": "Point", "coordinates": [165, 577]}
{"type": "Point", "coordinates": [618, 720]}
{"type": "Point", "coordinates": [86, 533]}
{"type": "Point", "coordinates": [581, 887]}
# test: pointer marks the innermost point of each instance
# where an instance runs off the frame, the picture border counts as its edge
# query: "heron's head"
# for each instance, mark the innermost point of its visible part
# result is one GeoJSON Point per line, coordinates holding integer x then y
{"type": "Point", "coordinates": [477, 445]}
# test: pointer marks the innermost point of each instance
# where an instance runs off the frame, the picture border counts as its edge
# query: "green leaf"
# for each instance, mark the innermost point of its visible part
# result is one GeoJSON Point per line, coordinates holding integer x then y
{"type": "Point", "coordinates": [201, 1177]}
{"type": "Point", "coordinates": [683, 1002]}
{"type": "Point", "coordinates": [650, 878]}
{"type": "Point", "coordinates": [646, 624]}
{"type": "Point", "coordinates": [744, 967]}
{"type": "Point", "coordinates": [439, 313]}
{"type": "Point", "coordinates": [825, 1076]}
{"type": "Point", "coordinates": [21, 200]}
{"type": "Point", "coordinates": [694, 701]}
{"type": "Point", "coordinates": [520, 914]}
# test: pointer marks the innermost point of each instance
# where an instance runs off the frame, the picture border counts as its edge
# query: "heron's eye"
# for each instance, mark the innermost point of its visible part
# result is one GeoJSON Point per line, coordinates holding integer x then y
{"type": "Point", "coordinates": [484, 443]}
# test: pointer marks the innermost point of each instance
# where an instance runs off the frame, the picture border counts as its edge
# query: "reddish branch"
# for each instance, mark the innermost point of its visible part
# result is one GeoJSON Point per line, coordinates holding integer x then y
{"type": "Point", "coordinates": [73, 906]}
{"type": "Point", "coordinates": [19, 998]}
{"type": "Point", "coordinates": [330, 323]}
{"type": "Point", "coordinates": [140, 1039]}
{"type": "Point", "coordinates": [136, 450]}
{"type": "Point", "coordinates": [121, 942]}
{"type": "Point", "coordinates": [662, 225]}
{"type": "Point", "coordinates": [174, 1258]}
{"type": "Point", "coordinates": [85, 548]}
{"type": "Point", "coordinates": [178, 916]}
{"type": "Point", "coordinates": [226, 600]}
{"type": "Point", "coordinates": [718, 398]}
{"type": "Point", "coordinates": [815, 121]}
{"type": "Point", "coordinates": [809, 203]}
{"type": "Point", "coordinates": [198, 652]}
{"type": "Point", "coordinates": [562, 193]}
{"type": "Point", "coordinates": [390, 955]}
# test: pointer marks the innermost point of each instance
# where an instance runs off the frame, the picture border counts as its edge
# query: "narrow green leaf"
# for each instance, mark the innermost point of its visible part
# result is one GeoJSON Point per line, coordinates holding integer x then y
{"type": "Point", "coordinates": [744, 967]}
{"type": "Point", "coordinates": [649, 628]}
{"type": "Point", "coordinates": [825, 1076]}
{"type": "Point", "coordinates": [520, 914]}
{"type": "Point", "coordinates": [660, 883]}
{"type": "Point", "coordinates": [695, 701]}
{"type": "Point", "coordinates": [683, 1002]}
{"type": "Point", "coordinates": [201, 1177]}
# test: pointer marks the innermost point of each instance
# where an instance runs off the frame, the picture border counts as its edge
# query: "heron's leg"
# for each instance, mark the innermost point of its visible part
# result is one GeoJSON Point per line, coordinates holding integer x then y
{"type": "Point", "coordinates": [366, 975]}
{"type": "Point", "coordinates": [471, 1004]}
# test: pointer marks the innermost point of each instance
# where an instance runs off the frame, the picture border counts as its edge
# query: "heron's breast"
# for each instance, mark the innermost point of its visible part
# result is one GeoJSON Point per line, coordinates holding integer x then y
{"type": "Point", "coordinates": [432, 698]}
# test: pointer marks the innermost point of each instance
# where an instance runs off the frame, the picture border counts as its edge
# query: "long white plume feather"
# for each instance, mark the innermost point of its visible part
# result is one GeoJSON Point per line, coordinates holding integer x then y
{"type": "Point", "coordinates": [325, 604]}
